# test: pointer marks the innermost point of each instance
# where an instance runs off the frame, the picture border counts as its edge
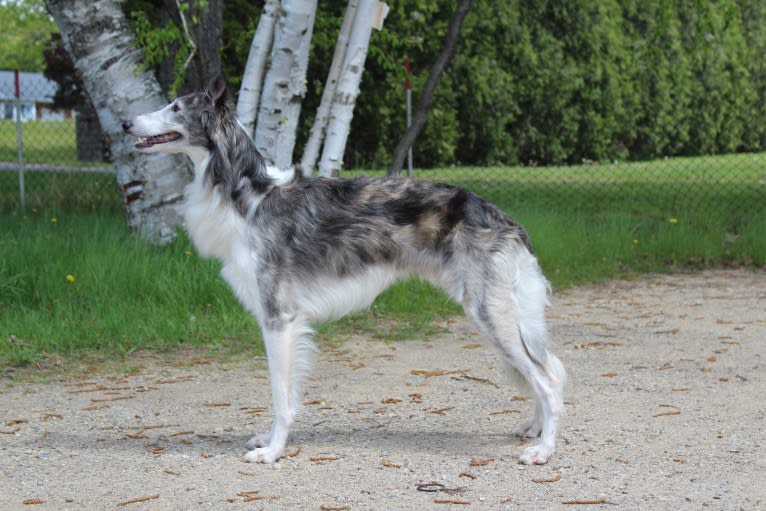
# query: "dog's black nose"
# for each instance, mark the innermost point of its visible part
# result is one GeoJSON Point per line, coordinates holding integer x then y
{"type": "Point", "coordinates": [126, 125]}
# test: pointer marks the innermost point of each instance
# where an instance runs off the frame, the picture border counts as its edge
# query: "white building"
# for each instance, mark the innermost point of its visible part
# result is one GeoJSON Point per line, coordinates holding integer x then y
{"type": "Point", "coordinates": [36, 102]}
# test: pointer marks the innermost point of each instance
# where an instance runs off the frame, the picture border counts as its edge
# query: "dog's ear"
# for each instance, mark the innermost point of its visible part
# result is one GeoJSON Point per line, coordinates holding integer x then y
{"type": "Point", "coordinates": [218, 92]}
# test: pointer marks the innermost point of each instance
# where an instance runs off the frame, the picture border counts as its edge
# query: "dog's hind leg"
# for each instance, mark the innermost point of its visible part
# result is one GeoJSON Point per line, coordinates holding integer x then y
{"type": "Point", "coordinates": [282, 348]}
{"type": "Point", "coordinates": [545, 373]}
{"type": "Point", "coordinates": [511, 314]}
{"type": "Point", "coordinates": [544, 378]}
{"type": "Point", "coordinates": [546, 382]}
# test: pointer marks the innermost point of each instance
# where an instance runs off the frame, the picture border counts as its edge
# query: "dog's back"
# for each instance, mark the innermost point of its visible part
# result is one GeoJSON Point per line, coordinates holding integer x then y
{"type": "Point", "coordinates": [340, 226]}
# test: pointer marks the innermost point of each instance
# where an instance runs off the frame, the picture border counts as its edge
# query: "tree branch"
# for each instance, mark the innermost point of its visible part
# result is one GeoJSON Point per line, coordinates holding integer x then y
{"type": "Point", "coordinates": [426, 97]}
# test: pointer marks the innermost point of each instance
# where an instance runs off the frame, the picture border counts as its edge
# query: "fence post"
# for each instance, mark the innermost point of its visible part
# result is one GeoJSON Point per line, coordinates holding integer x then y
{"type": "Point", "coordinates": [19, 138]}
{"type": "Point", "coordinates": [408, 95]}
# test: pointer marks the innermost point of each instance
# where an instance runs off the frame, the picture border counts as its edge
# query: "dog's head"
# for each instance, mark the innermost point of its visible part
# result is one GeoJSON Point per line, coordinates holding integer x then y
{"type": "Point", "coordinates": [185, 124]}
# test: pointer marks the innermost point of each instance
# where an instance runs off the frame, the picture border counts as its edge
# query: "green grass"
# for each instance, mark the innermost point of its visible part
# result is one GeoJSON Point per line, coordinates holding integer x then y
{"type": "Point", "coordinates": [72, 284]}
{"type": "Point", "coordinates": [730, 184]}
{"type": "Point", "coordinates": [63, 191]}
{"type": "Point", "coordinates": [593, 223]}
{"type": "Point", "coordinates": [43, 141]}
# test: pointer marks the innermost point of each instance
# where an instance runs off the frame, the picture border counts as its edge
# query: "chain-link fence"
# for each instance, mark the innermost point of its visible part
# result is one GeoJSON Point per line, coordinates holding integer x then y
{"type": "Point", "coordinates": [56, 159]}
{"type": "Point", "coordinates": [51, 157]}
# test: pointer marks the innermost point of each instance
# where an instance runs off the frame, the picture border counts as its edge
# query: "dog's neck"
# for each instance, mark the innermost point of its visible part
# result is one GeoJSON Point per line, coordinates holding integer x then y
{"type": "Point", "coordinates": [232, 165]}
{"type": "Point", "coordinates": [198, 157]}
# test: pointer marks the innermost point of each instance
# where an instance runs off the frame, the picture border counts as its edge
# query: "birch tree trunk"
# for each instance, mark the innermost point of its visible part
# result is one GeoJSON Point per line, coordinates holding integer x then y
{"type": "Point", "coordinates": [285, 83]}
{"type": "Point", "coordinates": [252, 79]}
{"type": "Point", "coordinates": [102, 46]}
{"type": "Point", "coordinates": [347, 89]}
{"type": "Point", "coordinates": [318, 129]}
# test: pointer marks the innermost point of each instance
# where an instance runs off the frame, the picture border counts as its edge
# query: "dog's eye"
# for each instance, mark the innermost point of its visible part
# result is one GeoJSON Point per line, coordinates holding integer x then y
{"type": "Point", "coordinates": [175, 107]}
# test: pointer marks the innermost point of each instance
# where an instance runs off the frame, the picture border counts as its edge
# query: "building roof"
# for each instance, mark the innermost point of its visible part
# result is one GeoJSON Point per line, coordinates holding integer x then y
{"type": "Point", "coordinates": [34, 87]}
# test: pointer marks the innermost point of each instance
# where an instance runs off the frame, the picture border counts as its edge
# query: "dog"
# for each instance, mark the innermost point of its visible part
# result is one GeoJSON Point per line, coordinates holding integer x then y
{"type": "Point", "coordinates": [296, 250]}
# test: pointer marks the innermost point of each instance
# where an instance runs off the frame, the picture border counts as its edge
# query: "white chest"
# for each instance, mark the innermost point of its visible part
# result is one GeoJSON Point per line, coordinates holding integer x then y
{"type": "Point", "coordinates": [213, 225]}
{"type": "Point", "coordinates": [217, 230]}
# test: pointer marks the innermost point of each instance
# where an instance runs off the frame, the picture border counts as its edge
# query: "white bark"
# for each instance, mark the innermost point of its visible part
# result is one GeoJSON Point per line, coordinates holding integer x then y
{"type": "Point", "coordinates": [318, 129]}
{"type": "Point", "coordinates": [252, 79]}
{"type": "Point", "coordinates": [347, 89]}
{"type": "Point", "coordinates": [285, 83]}
{"type": "Point", "coordinates": [99, 40]}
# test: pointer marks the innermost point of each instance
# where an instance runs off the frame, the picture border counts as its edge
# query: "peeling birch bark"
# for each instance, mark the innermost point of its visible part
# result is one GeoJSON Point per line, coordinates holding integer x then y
{"type": "Point", "coordinates": [285, 83]}
{"type": "Point", "coordinates": [347, 90]}
{"type": "Point", "coordinates": [319, 128]}
{"type": "Point", "coordinates": [252, 78]}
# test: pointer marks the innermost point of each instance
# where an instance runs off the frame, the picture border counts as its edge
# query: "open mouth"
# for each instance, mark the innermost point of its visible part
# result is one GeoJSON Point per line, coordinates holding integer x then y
{"type": "Point", "coordinates": [144, 142]}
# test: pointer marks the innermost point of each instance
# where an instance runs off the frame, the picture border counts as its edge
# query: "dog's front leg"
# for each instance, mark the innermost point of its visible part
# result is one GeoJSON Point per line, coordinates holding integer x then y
{"type": "Point", "coordinates": [280, 346]}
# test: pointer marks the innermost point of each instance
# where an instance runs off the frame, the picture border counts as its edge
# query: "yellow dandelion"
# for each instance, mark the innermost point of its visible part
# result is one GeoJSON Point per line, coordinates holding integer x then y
{"type": "Point", "coordinates": [673, 220]}
{"type": "Point", "coordinates": [54, 220]}
{"type": "Point", "coordinates": [635, 242]}
{"type": "Point", "coordinates": [187, 253]}
{"type": "Point", "coordinates": [70, 278]}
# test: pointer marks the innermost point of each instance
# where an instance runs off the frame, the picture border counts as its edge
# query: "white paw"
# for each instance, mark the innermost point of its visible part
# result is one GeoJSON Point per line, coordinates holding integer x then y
{"type": "Point", "coordinates": [535, 455]}
{"type": "Point", "coordinates": [263, 455]}
{"type": "Point", "coordinates": [529, 429]}
{"type": "Point", "coordinates": [261, 440]}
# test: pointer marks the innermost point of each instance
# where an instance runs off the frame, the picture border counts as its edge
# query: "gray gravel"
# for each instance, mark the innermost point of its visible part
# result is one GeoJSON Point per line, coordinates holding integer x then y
{"type": "Point", "coordinates": [665, 411]}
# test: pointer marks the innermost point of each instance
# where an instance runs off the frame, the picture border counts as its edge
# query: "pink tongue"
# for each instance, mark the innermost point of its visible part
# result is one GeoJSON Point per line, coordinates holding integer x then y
{"type": "Point", "coordinates": [159, 139]}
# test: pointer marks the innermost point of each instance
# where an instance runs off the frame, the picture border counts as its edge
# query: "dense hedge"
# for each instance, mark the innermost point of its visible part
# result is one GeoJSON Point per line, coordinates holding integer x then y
{"type": "Point", "coordinates": [549, 81]}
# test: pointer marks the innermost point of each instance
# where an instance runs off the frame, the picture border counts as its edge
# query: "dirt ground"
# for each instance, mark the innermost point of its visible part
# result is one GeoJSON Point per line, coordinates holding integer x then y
{"type": "Point", "coordinates": [665, 411]}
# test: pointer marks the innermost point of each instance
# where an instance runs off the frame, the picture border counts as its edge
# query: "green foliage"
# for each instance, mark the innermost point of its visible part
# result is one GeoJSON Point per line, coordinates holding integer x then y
{"type": "Point", "coordinates": [532, 82]}
{"type": "Point", "coordinates": [240, 19]}
{"type": "Point", "coordinates": [753, 16]}
{"type": "Point", "coordinates": [25, 28]}
{"type": "Point", "coordinates": [541, 82]}
{"type": "Point", "coordinates": [158, 41]}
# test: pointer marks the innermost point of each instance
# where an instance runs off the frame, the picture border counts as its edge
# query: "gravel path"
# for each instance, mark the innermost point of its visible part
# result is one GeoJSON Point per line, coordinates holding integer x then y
{"type": "Point", "coordinates": [665, 403]}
